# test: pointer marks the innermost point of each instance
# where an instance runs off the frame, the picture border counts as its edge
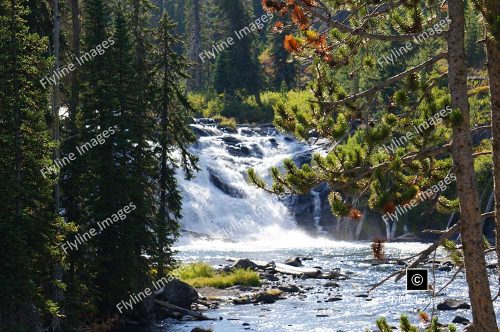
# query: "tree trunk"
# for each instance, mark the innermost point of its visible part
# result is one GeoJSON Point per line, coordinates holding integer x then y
{"type": "Point", "coordinates": [58, 270]}
{"type": "Point", "coordinates": [195, 82]}
{"type": "Point", "coordinates": [493, 51]}
{"type": "Point", "coordinates": [257, 99]}
{"type": "Point", "coordinates": [470, 227]}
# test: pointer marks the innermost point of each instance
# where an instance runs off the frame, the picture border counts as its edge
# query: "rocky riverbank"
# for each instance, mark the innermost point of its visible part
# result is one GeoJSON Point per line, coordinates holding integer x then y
{"type": "Point", "coordinates": [279, 281]}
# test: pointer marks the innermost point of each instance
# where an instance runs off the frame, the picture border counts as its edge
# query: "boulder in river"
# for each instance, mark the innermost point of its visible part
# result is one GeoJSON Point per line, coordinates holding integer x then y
{"type": "Point", "coordinates": [178, 293]}
{"type": "Point", "coordinates": [334, 299]}
{"type": "Point", "coordinates": [225, 187]}
{"type": "Point", "coordinates": [244, 263]}
{"type": "Point", "coordinates": [332, 284]}
{"type": "Point", "coordinates": [294, 261]}
{"type": "Point", "coordinates": [460, 320]}
{"type": "Point", "coordinates": [453, 305]}
{"type": "Point", "coordinates": [289, 288]}
{"type": "Point", "coordinates": [266, 297]}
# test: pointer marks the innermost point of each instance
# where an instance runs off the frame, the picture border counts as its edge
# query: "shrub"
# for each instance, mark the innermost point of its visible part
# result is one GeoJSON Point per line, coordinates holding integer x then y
{"type": "Point", "coordinates": [225, 122]}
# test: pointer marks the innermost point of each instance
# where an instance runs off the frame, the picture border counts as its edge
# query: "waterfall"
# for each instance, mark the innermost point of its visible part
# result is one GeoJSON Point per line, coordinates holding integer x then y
{"type": "Point", "coordinates": [219, 202]}
{"type": "Point", "coordinates": [317, 211]}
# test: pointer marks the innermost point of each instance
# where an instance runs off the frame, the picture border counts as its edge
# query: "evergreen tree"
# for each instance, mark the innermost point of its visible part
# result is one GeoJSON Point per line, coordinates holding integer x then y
{"type": "Point", "coordinates": [28, 224]}
{"type": "Point", "coordinates": [173, 112]}
{"type": "Point", "coordinates": [237, 71]}
{"type": "Point", "coordinates": [356, 164]}
{"type": "Point", "coordinates": [194, 31]}
{"type": "Point", "coordinates": [283, 70]}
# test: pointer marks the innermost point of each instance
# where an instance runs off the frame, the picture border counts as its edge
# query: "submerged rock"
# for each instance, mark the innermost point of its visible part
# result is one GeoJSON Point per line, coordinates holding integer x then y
{"type": "Point", "coordinates": [453, 305]}
{"type": "Point", "coordinates": [460, 320]}
{"type": "Point", "coordinates": [289, 288]}
{"type": "Point", "coordinates": [334, 299]}
{"type": "Point", "coordinates": [332, 284]}
{"type": "Point", "coordinates": [199, 329]}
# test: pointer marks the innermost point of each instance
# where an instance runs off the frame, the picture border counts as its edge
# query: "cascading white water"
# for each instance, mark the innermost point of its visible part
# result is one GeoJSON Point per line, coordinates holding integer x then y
{"type": "Point", "coordinates": [221, 204]}
{"type": "Point", "coordinates": [317, 210]}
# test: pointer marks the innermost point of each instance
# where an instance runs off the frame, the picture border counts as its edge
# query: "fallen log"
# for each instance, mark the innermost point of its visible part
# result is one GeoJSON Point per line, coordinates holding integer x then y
{"type": "Point", "coordinates": [183, 311]}
{"type": "Point", "coordinates": [287, 269]}
{"type": "Point", "coordinates": [297, 271]}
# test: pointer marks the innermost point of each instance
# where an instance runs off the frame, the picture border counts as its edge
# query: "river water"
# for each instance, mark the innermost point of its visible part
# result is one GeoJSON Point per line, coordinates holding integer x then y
{"type": "Point", "coordinates": [228, 218]}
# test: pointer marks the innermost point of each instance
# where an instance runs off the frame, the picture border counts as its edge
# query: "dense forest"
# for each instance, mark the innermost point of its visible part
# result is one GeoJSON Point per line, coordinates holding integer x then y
{"type": "Point", "coordinates": [97, 101]}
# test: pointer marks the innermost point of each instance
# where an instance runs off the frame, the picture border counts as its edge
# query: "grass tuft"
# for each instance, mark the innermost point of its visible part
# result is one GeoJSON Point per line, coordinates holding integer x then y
{"type": "Point", "coordinates": [203, 275]}
{"type": "Point", "coordinates": [195, 270]}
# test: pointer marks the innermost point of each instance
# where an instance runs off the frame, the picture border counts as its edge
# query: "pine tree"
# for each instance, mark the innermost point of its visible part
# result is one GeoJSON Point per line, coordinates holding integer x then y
{"type": "Point", "coordinates": [194, 31]}
{"type": "Point", "coordinates": [283, 70]}
{"type": "Point", "coordinates": [28, 224]}
{"type": "Point", "coordinates": [356, 164]}
{"type": "Point", "coordinates": [237, 70]}
{"type": "Point", "coordinates": [173, 113]}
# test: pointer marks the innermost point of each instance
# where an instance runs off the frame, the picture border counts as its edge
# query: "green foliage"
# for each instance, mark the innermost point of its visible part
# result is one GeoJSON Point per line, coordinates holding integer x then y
{"type": "Point", "coordinates": [203, 275]}
{"type": "Point", "coordinates": [194, 270]}
{"type": "Point", "coordinates": [406, 326]}
{"type": "Point", "coordinates": [30, 231]}
{"type": "Point", "coordinates": [337, 205]}
{"type": "Point", "coordinates": [225, 122]}
{"type": "Point", "coordinates": [237, 71]}
{"type": "Point", "coordinates": [247, 110]}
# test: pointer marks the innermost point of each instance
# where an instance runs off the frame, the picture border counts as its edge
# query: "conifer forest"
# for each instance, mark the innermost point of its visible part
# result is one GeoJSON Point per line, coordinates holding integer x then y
{"type": "Point", "coordinates": [249, 165]}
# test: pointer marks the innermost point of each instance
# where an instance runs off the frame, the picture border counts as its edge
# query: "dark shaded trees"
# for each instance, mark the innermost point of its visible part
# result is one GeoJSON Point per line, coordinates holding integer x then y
{"type": "Point", "coordinates": [173, 112]}
{"type": "Point", "coordinates": [237, 71]}
{"type": "Point", "coordinates": [28, 223]}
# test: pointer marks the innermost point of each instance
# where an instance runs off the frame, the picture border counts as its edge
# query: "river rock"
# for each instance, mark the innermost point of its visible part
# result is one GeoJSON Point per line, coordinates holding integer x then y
{"type": "Point", "coordinates": [266, 297]}
{"type": "Point", "coordinates": [445, 268]}
{"type": "Point", "coordinates": [460, 320]}
{"type": "Point", "coordinates": [334, 299]}
{"type": "Point", "coordinates": [332, 284]}
{"type": "Point", "coordinates": [244, 263]}
{"type": "Point", "coordinates": [199, 329]}
{"type": "Point", "coordinates": [178, 293]}
{"type": "Point", "coordinates": [205, 121]}
{"type": "Point", "coordinates": [452, 305]}
{"type": "Point", "coordinates": [226, 188]}
{"type": "Point", "coordinates": [231, 140]}
{"type": "Point", "coordinates": [294, 261]}
{"type": "Point", "coordinates": [289, 288]}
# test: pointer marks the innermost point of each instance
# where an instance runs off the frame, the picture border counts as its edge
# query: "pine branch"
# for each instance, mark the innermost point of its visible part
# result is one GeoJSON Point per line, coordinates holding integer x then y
{"type": "Point", "coordinates": [359, 31]}
{"type": "Point", "coordinates": [389, 81]}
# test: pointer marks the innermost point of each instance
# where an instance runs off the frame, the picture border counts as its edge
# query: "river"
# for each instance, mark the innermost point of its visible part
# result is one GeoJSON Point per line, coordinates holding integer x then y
{"type": "Point", "coordinates": [225, 217]}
